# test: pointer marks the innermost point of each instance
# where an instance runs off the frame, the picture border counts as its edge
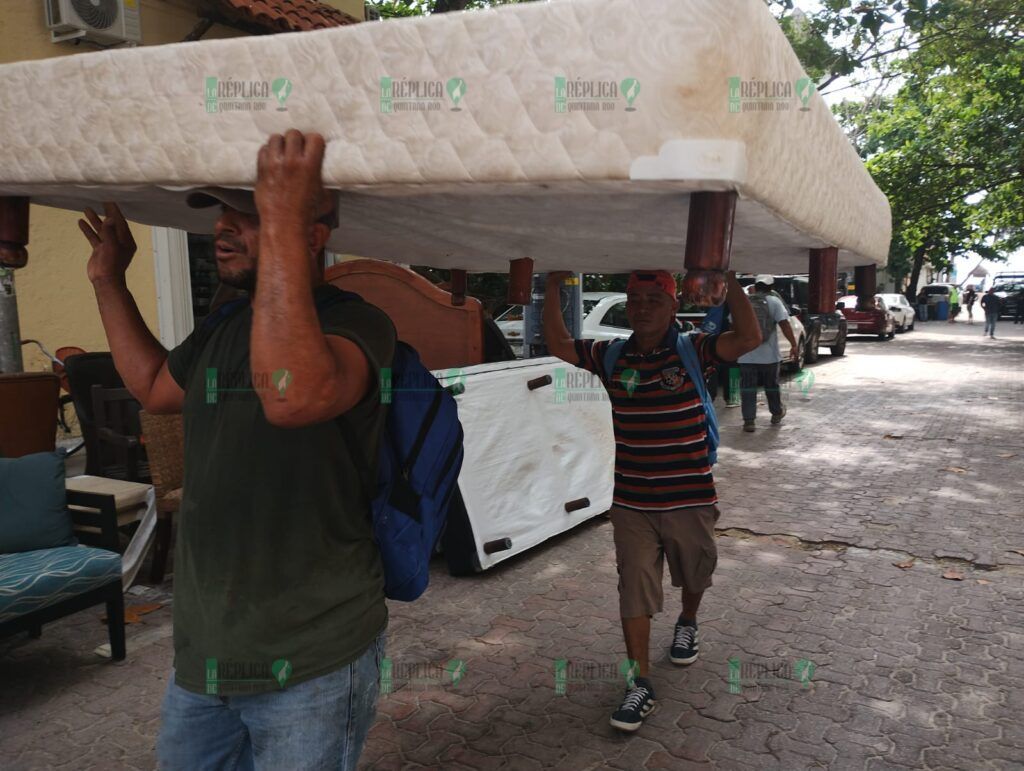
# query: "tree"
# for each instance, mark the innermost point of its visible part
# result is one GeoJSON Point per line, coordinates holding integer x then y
{"type": "Point", "coordinates": [948, 148]}
{"type": "Point", "coordinates": [865, 38]}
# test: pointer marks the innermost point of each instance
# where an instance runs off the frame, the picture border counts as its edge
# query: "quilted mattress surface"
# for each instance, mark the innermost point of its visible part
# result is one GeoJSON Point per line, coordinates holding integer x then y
{"type": "Point", "coordinates": [570, 131]}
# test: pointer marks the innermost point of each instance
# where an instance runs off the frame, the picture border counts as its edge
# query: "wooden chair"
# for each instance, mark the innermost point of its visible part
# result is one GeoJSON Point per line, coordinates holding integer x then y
{"type": "Point", "coordinates": [82, 372]}
{"type": "Point", "coordinates": [28, 413]}
{"type": "Point", "coordinates": [116, 416]}
{"type": "Point", "coordinates": [164, 437]}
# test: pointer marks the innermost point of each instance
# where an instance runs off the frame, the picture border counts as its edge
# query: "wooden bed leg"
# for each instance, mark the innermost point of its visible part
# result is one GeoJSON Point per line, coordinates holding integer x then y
{"type": "Point", "coordinates": [822, 266]}
{"type": "Point", "coordinates": [520, 281]}
{"type": "Point", "coordinates": [865, 277]}
{"type": "Point", "coordinates": [458, 283]}
{"type": "Point", "coordinates": [13, 231]}
{"type": "Point", "coordinates": [708, 246]}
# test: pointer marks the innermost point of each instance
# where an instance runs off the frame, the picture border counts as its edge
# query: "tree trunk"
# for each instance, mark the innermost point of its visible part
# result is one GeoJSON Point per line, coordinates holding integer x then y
{"type": "Point", "coordinates": [915, 274]}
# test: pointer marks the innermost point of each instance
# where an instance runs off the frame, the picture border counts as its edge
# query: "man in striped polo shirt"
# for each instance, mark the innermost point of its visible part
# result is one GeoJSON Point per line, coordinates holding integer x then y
{"type": "Point", "coordinates": [665, 501]}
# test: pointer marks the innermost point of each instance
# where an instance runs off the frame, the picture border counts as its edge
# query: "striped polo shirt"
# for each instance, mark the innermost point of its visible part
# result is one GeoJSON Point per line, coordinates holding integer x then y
{"type": "Point", "coordinates": [661, 453]}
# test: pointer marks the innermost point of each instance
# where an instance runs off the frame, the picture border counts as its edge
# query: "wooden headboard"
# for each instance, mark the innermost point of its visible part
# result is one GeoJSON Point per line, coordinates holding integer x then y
{"type": "Point", "coordinates": [445, 335]}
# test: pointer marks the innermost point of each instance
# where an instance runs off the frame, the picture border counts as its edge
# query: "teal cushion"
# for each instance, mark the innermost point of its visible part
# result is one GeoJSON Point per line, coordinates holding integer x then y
{"type": "Point", "coordinates": [33, 503]}
{"type": "Point", "coordinates": [36, 579]}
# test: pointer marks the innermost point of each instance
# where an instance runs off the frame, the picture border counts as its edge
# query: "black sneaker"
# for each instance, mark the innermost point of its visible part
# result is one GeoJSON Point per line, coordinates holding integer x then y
{"type": "Point", "coordinates": [748, 426]}
{"type": "Point", "coordinates": [776, 419]}
{"type": "Point", "coordinates": [638, 704]}
{"type": "Point", "coordinates": [685, 643]}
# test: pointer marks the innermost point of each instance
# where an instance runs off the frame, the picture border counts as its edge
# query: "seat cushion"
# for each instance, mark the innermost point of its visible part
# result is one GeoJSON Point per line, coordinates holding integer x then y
{"type": "Point", "coordinates": [33, 504]}
{"type": "Point", "coordinates": [37, 579]}
{"type": "Point", "coordinates": [127, 495]}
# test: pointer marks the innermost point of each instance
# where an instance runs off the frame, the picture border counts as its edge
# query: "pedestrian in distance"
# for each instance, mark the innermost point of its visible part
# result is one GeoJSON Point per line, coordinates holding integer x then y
{"type": "Point", "coordinates": [665, 504]}
{"type": "Point", "coordinates": [990, 303]}
{"type": "Point", "coordinates": [954, 303]}
{"type": "Point", "coordinates": [760, 368]}
{"type": "Point", "coordinates": [1018, 316]}
{"type": "Point", "coordinates": [970, 297]}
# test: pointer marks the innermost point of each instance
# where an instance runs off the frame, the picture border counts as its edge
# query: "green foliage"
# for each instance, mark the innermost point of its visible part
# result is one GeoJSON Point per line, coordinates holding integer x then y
{"type": "Point", "coordinates": [605, 282]}
{"type": "Point", "coordinates": [948, 149]}
{"type": "Point", "coordinates": [389, 9]}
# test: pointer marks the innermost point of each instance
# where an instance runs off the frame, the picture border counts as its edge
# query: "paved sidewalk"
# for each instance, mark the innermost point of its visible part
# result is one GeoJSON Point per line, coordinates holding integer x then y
{"type": "Point", "coordinates": [904, 668]}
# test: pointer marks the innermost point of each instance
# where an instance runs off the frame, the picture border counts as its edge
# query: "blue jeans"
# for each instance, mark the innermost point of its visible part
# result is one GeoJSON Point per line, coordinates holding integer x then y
{"type": "Point", "coordinates": [990, 323]}
{"type": "Point", "coordinates": [752, 376]}
{"type": "Point", "coordinates": [318, 724]}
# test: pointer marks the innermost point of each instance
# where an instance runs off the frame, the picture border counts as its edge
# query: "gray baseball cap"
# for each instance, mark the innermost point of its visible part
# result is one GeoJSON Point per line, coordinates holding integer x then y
{"type": "Point", "coordinates": [243, 200]}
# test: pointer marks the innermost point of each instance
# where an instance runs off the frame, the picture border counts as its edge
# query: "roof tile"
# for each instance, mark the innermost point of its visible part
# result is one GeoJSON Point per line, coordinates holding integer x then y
{"type": "Point", "coordinates": [288, 15]}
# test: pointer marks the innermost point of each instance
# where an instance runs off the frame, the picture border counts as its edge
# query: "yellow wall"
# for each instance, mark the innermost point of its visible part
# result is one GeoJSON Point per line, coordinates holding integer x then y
{"type": "Point", "coordinates": [354, 8]}
{"type": "Point", "coordinates": [56, 304]}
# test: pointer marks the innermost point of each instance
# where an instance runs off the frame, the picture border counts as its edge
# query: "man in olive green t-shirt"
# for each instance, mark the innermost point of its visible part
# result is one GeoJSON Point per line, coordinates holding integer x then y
{"type": "Point", "coordinates": [279, 607]}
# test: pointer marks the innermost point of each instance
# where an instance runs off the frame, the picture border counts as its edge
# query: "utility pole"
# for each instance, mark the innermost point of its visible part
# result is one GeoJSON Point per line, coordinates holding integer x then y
{"type": "Point", "coordinates": [571, 300]}
{"type": "Point", "coordinates": [10, 332]}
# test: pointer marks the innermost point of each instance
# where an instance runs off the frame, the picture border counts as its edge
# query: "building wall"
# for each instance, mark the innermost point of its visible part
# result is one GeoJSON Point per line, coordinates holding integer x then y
{"type": "Point", "coordinates": [56, 304]}
{"type": "Point", "coordinates": [354, 8]}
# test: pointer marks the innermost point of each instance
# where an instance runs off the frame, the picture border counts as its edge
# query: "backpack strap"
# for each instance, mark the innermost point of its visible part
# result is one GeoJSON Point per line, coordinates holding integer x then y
{"type": "Point", "coordinates": [688, 354]}
{"type": "Point", "coordinates": [611, 355]}
{"type": "Point", "coordinates": [223, 312]}
{"type": "Point", "coordinates": [355, 450]}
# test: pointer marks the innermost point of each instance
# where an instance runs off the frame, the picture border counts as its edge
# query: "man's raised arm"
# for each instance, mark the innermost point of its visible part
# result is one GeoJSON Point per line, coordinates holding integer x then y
{"type": "Point", "coordinates": [556, 336]}
{"type": "Point", "coordinates": [140, 359]}
{"type": "Point", "coordinates": [746, 332]}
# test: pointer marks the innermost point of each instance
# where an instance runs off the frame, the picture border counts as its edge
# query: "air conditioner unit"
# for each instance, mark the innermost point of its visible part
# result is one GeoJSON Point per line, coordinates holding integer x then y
{"type": "Point", "coordinates": [105, 22]}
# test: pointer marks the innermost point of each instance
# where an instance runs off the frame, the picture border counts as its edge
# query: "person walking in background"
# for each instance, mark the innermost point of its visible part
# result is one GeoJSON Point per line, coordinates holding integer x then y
{"type": "Point", "coordinates": [954, 303]}
{"type": "Point", "coordinates": [727, 374]}
{"type": "Point", "coordinates": [970, 296]}
{"type": "Point", "coordinates": [922, 305]}
{"type": "Point", "coordinates": [990, 304]}
{"type": "Point", "coordinates": [760, 367]}
{"type": "Point", "coordinates": [1018, 316]}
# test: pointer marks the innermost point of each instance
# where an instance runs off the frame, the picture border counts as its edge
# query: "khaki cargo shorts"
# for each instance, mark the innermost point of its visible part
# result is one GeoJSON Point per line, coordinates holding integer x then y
{"type": "Point", "coordinates": [643, 541]}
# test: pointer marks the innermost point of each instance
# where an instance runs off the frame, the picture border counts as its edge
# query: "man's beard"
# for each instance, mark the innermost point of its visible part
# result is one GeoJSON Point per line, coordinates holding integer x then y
{"type": "Point", "coordinates": [239, 279]}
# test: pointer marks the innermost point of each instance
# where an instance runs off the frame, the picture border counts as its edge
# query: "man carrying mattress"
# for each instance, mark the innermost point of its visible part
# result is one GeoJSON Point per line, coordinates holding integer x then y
{"type": "Point", "coordinates": [279, 610]}
{"type": "Point", "coordinates": [665, 501]}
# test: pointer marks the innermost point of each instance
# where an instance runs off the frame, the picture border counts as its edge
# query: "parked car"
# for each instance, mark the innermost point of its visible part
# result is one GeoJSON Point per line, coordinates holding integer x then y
{"type": "Point", "coordinates": [1008, 294]}
{"type": "Point", "coordinates": [510, 322]}
{"type": "Point", "coordinates": [873, 320]}
{"type": "Point", "coordinates": [604, 318]}
{"type": "Point", "coordinates": [934, 294]}
{"type": "Point", "coordinates": [901, 309]}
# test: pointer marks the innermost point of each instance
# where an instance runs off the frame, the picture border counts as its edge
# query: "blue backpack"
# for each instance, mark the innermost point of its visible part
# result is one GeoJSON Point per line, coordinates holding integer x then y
{"type": "Point", "coordinates": [688, 355]}
{"type": "Point", "coordinates": [418, 462]}
{"type": "Point", "coordinates": [418, 466]}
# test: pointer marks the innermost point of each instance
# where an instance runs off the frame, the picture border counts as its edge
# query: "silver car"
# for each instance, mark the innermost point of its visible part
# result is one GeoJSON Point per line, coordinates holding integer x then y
{"type": "Point", "coordinates": [901, 310]}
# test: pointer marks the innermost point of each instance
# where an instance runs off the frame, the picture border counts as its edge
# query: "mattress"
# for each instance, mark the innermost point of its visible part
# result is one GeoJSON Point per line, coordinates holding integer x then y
{"type": "Point", "coordinates": [546, 447]}
{"type": "Point", "coordinates": [571, 131]}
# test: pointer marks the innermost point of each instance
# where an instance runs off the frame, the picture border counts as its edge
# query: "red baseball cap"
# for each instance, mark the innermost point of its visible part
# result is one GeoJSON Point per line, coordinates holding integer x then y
{"type": "Point", "coordinates": [652, 279]}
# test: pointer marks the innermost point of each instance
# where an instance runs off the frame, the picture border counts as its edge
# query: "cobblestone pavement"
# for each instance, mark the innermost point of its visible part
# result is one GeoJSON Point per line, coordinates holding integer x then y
{"type": "Point", "coordinates": [909, 452]}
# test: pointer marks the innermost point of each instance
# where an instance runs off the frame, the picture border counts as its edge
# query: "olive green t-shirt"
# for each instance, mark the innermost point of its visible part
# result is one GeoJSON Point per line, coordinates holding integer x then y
{"type": "Point", "coordinates": [277, 578]}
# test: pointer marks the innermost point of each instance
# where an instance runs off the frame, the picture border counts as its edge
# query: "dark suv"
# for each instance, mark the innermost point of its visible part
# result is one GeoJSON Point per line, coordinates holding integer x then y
{"type": "Point", "coordinates": [1009, 295]}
